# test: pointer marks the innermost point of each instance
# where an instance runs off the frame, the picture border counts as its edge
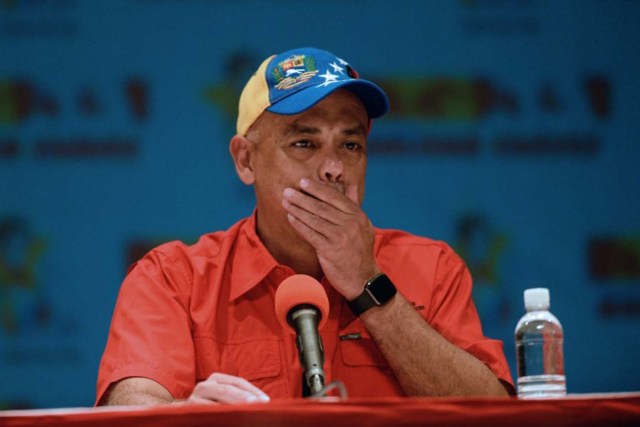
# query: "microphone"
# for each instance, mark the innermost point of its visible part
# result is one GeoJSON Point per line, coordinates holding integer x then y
{"type": "Point", "coordinates": [302, 307]}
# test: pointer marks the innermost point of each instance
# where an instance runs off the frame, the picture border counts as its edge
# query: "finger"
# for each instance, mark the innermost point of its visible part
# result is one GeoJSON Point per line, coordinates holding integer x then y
{"type": "Point", "coordinates": [316, 239]}
{"type": "Point", "coordinates": [327, 194]}
{"type": "Point", "coordinates": [352, 194]}
{"type": "Point", "coordinates": [201, 401]}
{"type": "Point", "coordinates": [222, 393]}
{"type": "Point", "coordinates": [240, 383]}
{"type": "Point", "coordinates": [225, 388]}
{"type": "Point", "coordinates": [312, 205]}
{"type": "Point", "coordinates": [319, 219]}
{"type": "Point", "coordinates": [319, 226]}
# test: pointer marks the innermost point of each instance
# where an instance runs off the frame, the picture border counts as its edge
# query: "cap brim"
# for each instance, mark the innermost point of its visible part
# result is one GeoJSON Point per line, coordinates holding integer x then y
{"type": "Point", "coordinates": [371, 95]}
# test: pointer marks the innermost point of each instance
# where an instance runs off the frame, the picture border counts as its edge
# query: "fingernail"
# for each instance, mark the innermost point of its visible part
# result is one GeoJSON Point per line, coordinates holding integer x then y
{"type": "Point", "coordinates": [251, 398]}
{"type": "Point", "coordinates": [304, 183]}
{"type": "Point", "coordinates": [288, 192]}
{"type": "Point", "coordinates": [264, 398]}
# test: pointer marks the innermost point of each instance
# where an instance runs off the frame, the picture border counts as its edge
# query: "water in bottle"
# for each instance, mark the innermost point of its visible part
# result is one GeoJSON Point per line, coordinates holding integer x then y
{"type": "Point", "coordinates": [539, 354]}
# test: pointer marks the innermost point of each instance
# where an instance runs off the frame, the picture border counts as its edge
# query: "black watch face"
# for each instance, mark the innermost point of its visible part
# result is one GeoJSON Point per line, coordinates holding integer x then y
{"type": "Point", "coordinates": [382, 288]}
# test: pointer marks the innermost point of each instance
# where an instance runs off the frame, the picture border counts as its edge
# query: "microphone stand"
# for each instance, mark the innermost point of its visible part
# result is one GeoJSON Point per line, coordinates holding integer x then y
{"type": "Point", "coordinates": [305, 319]}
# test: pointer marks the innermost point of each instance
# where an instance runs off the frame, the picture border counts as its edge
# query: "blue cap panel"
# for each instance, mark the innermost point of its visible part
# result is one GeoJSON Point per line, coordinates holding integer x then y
{"type": "Point", "coordinates": [300, 78]}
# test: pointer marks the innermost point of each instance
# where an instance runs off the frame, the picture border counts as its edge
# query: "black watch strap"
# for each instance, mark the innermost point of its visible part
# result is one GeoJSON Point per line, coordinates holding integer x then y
{"type": "Point", "coordinates": [377, 291]}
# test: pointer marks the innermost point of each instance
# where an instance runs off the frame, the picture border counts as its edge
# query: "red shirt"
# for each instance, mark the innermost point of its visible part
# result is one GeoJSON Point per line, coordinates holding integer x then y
{"type": "Point", "coordinates": [185, 312]}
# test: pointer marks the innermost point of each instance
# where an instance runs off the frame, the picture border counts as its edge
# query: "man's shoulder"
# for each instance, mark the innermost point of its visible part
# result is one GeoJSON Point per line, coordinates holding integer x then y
{"type": "Point", "coordinates": [399, 242]}
{"type": "Point", "coordinates": [386, 237]}
{"type": "Point", "coordinates": [209, 245]}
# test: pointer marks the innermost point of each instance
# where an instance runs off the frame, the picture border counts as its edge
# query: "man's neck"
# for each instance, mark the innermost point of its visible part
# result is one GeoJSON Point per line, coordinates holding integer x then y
{"type": "Point", "coordinates": [301, 264]}
{"type": "Point", "coordinates": [295, 253]}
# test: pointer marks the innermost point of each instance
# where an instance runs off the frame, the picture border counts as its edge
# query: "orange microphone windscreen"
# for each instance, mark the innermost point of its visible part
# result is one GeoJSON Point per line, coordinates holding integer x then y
{"type": "Point", "coordinates": [300, 289]}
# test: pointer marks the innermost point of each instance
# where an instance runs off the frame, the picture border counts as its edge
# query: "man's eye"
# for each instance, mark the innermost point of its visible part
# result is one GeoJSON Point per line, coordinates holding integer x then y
{"type": "Point", "coordinates": [352, 146]}
{"type": "Point", "coordinates": [303, 144]}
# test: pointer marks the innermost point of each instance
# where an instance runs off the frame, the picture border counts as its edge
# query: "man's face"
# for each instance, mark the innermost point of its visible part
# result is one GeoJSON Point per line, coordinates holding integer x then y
{"type": "Point", "coordinates": [326, 143]}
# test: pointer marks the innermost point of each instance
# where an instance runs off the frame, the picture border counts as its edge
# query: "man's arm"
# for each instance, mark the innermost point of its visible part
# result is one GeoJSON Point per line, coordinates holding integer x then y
{"type": "Point", "coordinates": [136, 391]}
{"type": "Point", "coordinates": [423, 361]}
{"type": "Point", "coordinates": [218, 388]}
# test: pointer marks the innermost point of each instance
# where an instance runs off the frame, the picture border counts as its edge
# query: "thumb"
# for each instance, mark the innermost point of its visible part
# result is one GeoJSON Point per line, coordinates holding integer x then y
{"type": "Point", "coordinates": [352, 194]}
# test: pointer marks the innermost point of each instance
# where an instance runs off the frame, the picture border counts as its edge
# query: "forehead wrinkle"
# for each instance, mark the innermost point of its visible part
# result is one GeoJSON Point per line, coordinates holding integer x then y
{"type": "Point", "coordinates": [356, 130]}
{"type": "Point", "coordinates": [297, 128]}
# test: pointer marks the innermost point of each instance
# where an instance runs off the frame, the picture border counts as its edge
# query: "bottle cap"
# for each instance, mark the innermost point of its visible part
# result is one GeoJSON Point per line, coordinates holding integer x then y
{"type": "Point", "coordinates": [536, 299]}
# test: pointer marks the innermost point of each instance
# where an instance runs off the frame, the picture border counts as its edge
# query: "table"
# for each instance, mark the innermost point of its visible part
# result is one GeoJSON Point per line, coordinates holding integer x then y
{"type": "Point", "coordinates": [622, 409]}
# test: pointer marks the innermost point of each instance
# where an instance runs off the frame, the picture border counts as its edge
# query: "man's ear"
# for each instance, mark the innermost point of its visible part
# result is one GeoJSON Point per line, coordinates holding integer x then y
{"type": "Point", "coordinates": [241, 151]}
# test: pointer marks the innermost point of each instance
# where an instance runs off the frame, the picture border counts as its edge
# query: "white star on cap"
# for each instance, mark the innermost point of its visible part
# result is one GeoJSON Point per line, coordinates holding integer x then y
{"type": "Point", "coordinates": [328, 78]}
{"type": "Point", "coordinates": [342, 61]}
{"type": "Point", "coordinates": [337, 68]}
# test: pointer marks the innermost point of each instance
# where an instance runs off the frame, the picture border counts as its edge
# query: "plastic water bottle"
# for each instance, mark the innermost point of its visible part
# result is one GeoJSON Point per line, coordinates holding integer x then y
{"type": "Point", "coordinates": [539, 356]}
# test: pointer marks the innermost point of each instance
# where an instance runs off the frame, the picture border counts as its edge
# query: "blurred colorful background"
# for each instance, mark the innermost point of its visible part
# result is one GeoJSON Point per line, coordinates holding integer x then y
{"type": "Point", "coordinates": [514, 135]}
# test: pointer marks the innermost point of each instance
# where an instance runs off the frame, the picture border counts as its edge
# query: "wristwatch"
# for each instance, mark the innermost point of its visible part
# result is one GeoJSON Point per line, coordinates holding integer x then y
{"type": "Point", "coordinates": [377, 291]}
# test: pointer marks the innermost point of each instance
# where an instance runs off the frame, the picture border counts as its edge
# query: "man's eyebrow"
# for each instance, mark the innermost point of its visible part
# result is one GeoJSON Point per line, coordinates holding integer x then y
{"type": "Point", "coordinates": [356, 130]}
{"type": "Point", "coordinates": [297, 129]}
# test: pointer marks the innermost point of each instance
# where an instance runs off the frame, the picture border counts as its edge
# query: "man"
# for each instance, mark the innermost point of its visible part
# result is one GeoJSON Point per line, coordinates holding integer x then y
{"type": "Point", "coordinates": [197, 323]}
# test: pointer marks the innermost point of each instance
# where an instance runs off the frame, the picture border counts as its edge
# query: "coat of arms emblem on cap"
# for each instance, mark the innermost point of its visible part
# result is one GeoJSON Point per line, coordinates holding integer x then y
{"type": "Point", "coordinates": [294, 71]}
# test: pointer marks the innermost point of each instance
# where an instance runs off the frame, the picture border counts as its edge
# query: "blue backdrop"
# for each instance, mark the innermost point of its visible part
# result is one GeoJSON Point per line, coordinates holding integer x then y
{"type": "Point", "coordinates": [514, 136]}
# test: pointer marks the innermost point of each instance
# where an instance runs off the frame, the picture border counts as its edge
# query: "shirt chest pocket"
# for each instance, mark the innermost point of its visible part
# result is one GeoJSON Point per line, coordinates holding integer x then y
{"type": "Point", "coordinates": [257, 361]}
{"type": "Point", "coordinates": [364, 369]}
{"type": "Point", "coordinates": [361, 351]}
{"type": "Point", "coordinates": [252, 360]}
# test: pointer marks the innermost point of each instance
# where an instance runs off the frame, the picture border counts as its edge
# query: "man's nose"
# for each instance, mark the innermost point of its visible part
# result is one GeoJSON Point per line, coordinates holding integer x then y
{"type": "Point", "coordinates": [331, 169]}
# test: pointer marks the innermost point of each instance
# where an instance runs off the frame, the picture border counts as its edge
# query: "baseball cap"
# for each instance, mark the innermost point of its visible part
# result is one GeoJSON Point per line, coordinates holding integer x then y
{"type": "Point", "coordinates": [296, 80]}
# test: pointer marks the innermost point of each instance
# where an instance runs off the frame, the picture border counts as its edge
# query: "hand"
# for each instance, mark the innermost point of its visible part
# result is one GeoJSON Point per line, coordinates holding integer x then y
{"type": "Point", "coordinates": [339, 231]}
{"type": "Point", "coordinates": [222, 388]}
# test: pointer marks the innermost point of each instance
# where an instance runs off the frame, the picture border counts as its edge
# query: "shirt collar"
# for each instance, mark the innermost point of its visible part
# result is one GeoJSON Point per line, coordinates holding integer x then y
{"type": "Point", "coordinates": [252, 262]}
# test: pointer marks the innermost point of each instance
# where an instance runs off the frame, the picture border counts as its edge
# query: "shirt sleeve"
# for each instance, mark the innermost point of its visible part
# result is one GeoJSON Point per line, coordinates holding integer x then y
{"type": "Point", "coordinates": [150, 333]}
{"type": "Point", "coordinates": [453, 314]}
